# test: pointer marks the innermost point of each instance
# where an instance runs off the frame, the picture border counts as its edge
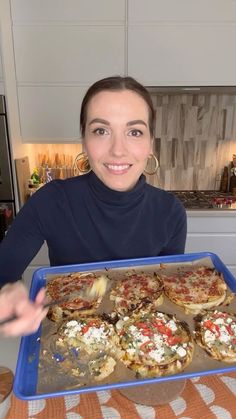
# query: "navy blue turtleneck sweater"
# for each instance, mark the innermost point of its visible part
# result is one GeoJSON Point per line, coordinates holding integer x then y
{"type": "Point", "coordinates": [82, 220]}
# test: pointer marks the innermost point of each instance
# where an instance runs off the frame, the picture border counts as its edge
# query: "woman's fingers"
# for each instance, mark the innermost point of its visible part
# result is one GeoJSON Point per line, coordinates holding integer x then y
{"type": "Point", "coordinates": [26, 323]}
{"type": "Point", "coordinates": [14, 300]}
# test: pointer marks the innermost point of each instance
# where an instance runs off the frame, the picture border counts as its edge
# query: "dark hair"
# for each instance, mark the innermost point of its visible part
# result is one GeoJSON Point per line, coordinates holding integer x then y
{"type": "Point", "coordinates": [117, 83]}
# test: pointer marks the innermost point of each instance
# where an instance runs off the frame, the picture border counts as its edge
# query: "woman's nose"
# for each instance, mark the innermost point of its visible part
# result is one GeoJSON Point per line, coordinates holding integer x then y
{"type": "Point", "coordinates": [118, 146]}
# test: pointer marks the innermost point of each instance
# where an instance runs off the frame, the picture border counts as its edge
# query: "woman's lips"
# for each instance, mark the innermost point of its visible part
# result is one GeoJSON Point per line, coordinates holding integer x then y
{"type": "Point", "coordinates": [117, 168]}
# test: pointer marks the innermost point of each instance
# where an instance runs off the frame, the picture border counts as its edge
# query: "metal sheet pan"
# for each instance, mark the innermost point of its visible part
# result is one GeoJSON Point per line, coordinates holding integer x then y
{"type": "Point", "coordinates": [35, 380]}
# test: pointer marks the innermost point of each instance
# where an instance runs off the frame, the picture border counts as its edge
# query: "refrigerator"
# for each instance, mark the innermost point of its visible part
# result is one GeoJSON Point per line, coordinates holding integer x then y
{"type": "Point", "coordinates": [7, 196]}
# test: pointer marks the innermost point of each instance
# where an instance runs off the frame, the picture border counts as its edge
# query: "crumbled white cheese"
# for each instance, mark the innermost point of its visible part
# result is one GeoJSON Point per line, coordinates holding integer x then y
{"type": "Point", "coordinates": [224, 336]}
{"type": "Point", "coordinates": [131, 351]}
{"type": "Point", "coordinates": [209, 336]}
{"type": "Point", "coordinates": [172, 325]}
{"type": "Point", "coordinates": [73, 327]}
{"type": "Point", "coordinates": [119, 324]}
{"type": "Point", "coordinates": [157, 354]}
{"type": "Point", "coordinates": [95, 334]}
{"type": "Point", "coordinates": [133, 329]}
{"type": "Point", "coordinates": [233, 328]}
{"type": "Point", "coordinates": [158, 339]}
{"type": "Point", "coordinates": [181, 351]}
{"type": "Point", "coordinates": [72, 323]}
{"type": "Point", "coordinates": [219, 321]}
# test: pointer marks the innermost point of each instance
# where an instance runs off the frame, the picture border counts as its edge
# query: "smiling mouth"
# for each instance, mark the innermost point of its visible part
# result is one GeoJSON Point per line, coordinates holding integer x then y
{"type": "Point", "coordinates": [118, 168]}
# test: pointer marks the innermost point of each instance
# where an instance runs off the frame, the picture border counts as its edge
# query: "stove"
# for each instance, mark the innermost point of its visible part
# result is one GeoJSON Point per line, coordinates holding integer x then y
{"type": "Point", "coordinates": [206, 200]}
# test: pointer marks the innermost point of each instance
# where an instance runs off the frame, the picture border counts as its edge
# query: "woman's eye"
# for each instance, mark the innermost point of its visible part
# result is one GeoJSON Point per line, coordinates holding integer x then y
{"type": "Point", "coordinates": [135, 133]}
{"type": "Point", "coordinates": [100, 131]}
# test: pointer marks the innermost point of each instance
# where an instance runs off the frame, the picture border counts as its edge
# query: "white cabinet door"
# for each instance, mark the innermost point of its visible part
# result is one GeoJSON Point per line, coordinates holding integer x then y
{"type": "Point", "coordinates": [182, 54]}
{"type": "Point", "coordinates": [55, 65]}
{"type": "Point", "coordinates": [63, 10]}
{"type": "Point", "coordinates": [214, 233]}
{"type": "Point", "coordinates": [181, 10]}
{"type": "Point", "coordinates": [61, 47]}
{"type": "Point", "coordinates": [50, 114]}
{"type": "Point", "coordinates": [224, 245]}
{"type": "Point", "coordinates": [67, 54]}
{"type": "Point", "coordinates": [183, 43]}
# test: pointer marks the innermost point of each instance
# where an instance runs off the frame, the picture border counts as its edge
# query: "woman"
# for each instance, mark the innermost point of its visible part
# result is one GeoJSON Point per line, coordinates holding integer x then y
{"type": "Point", "coordinates": [109, 213]}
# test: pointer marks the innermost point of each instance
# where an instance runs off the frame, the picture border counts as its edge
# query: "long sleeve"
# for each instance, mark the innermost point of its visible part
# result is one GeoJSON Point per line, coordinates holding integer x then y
{"type": "Point", "coordinates": [21, 244]}
{"type": "Point", "coordinates": [177, 231]}
{"type": "Point", "coordinates": [83, 221]}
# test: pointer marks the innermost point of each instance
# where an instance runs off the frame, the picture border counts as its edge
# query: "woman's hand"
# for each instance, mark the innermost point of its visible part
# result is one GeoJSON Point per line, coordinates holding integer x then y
{"type": "Point", "coordinates": [14, 300]}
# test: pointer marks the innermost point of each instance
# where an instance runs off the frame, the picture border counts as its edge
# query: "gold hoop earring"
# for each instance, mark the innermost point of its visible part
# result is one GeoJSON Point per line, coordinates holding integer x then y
{"type": "Point", "coordinates": [156, 165]}
{"type": "Point", "coordinates": [81, 164]}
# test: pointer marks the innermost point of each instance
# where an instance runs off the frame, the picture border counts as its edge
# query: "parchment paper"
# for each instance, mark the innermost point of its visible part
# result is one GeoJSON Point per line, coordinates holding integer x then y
{"type": "Point", "coordinates": [51, 375]}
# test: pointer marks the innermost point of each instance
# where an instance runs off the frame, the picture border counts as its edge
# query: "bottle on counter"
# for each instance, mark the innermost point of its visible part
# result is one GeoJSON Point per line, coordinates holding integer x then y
{"type": "Point", "coordinates": [35, 176]}
{"type": "Point", "coordinates": [232, 181]}
{"type": "Point", "coordinates": [224, 180]}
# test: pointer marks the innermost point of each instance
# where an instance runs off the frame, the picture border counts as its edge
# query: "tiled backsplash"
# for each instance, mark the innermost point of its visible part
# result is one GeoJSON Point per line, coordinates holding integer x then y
{"type": "Point", "coordinates": [195, 138]}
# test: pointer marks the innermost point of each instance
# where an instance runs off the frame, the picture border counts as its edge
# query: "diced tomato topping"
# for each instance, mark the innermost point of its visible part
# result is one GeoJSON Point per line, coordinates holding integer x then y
{"type": "Point", "coordinates": [229, 330]}
{"type": "Point", "coordinates": [156, 323]}
{"type": "Point", "coordinates": [182, 280]}
{"type": "Point", "coordinates": [164, 330]}
{"type": "Point", "coordinates": [188, 298]}
{"type": "Point", "coordinates": [141, 325]}
{"type": "Point", "coordinates": [214, 328]}
{"type": "Point", "coordinates": [147, 332]}
{"type": "Point", "coordinates": [148, 345]}
{"type": "Point", "coordinates": [84, 329]}
{"type": "Point", "coordinates": [173, 340]}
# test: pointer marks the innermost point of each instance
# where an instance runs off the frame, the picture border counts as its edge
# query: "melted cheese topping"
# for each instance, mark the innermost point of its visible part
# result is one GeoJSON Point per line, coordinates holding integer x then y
{"type": "Point", "coordinates": [194, 287]}
{"type": "Point", "coordinates": [99, 287]}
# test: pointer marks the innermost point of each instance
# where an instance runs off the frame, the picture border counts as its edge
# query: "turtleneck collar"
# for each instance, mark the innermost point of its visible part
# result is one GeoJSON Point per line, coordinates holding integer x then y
{"type": "Point", "coordinates": [110, 196]}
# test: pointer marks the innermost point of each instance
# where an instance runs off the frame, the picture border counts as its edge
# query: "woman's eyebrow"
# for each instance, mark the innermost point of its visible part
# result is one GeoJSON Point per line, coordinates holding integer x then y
{"type": "Point", "coordinates": [136, 121]}
{"type": "Point", "coordinates": [100, 121]}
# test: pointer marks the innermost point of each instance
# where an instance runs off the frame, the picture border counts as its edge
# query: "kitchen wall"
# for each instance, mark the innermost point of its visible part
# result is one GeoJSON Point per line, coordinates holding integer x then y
{"type": "Point", "coordinates": [195, 138]}
{"type": "Point", "coordinates": [55, 155]}
{"type": "Point", "coordinates": [1, 75]}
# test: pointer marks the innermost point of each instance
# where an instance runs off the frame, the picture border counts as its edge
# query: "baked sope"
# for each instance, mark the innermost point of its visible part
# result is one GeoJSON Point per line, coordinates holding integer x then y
{"type": "Point", "coordinates": [215, 331]}
{"type": "Point", "coordinates": [155, 344]}
{"type": "Point", "coordinates": [136, 291]}
{"type": "Point", "coordinates": [197, 289]}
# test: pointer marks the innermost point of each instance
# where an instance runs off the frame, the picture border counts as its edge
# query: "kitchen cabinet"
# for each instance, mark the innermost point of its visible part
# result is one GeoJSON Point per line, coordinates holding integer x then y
{"type": "Point", "coordinates": [182, 43]}
{"type": "Point", "coordinates": [215, 232]}
{"type": "Point", "coordinates": [61, 48]}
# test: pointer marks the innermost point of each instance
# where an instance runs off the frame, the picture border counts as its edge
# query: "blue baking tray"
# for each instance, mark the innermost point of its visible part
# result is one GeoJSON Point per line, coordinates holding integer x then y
{"type": "Point", "coordinates": [26, 375]}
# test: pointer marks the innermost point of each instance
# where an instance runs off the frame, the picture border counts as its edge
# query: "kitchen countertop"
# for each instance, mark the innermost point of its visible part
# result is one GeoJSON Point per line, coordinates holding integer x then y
{"type": "Point", "coordinates": [211, 212]}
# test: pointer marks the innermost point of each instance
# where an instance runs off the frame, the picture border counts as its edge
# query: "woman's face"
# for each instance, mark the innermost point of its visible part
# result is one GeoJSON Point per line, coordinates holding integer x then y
{"type": "Point", "coordinates": [117, 138]}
